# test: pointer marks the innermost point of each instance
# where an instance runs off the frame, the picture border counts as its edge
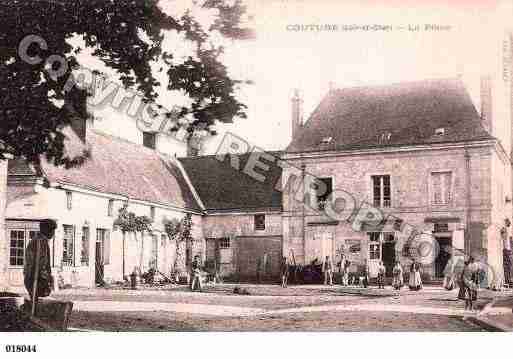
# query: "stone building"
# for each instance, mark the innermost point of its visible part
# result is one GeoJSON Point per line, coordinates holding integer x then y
{"type": "Point", "coordinates": [401, 159]}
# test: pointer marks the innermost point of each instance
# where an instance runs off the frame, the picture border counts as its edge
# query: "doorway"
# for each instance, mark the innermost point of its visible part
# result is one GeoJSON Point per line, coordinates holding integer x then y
{"type": "Point", "coordinates": [388, 256]}
{"type": "Point", "coordinates": [444, 254]}
{"type": "Point", "coordinates": [99, 261]}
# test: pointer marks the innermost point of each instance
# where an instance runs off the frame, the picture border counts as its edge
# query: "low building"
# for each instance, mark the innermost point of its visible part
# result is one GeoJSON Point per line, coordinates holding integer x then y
{"type": "Point", "coordinates": [85, 201]}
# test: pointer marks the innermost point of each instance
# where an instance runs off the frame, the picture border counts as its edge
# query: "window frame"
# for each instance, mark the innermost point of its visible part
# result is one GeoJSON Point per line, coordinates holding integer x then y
{"type": "Point", "coordinates": [256, 223]}
{"type": "Point", "coordinates": [66, 263]}
{"type": "Point", "coordinates": [382, 190]}
{"type": "Point", "coordinates": [222, 243]}
{"type": "Point", "coordinates": [27, 237]}
{"type": "Point", "coordinates": [318, 204]}
{"type": "Point", "coordinates": [110, 208]}
{"type": "Point", "coordinates": [431, 187]}
{"type": "Point", "coordinates": [17, 248]}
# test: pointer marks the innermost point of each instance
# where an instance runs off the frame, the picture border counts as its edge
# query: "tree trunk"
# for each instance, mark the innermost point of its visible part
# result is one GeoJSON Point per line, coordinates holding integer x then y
{"type": "Point", "coordinates": [123, 255]}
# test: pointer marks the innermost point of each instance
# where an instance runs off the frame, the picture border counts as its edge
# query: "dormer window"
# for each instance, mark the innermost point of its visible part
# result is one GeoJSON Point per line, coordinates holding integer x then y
{"type": "Point", "coordinates": [440, 131]}
{"type": "Point", "coordinates": [326, 140]}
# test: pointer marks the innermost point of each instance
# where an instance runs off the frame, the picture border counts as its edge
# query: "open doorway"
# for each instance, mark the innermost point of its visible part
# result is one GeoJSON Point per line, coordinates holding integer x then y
{"type": "Point", "coordinates": [444, 254]}
{"type": "Point", "coordinates": [388, 257]}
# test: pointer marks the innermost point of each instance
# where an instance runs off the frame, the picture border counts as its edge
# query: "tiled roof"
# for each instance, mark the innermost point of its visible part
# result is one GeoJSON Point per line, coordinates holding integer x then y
{"type": "Point", "coordinates": [120, 167]}
{"type": "Point", "coordinates": [392, 115]}
{"type": "Point", "coordinates": [221, 187]}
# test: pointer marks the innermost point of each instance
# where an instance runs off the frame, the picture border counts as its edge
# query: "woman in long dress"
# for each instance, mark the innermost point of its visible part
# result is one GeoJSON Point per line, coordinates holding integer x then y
{"type": "Point", "coordinates": [398, 280]}
{"type": "Point", "coordinates": [449, 275]}
{"type": "Point", "coordinates": [415, 282]}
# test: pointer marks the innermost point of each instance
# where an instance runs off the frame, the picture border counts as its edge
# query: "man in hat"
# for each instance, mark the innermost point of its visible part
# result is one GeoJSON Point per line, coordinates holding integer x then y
{"type": "Point", "coordinates": [39, 264]}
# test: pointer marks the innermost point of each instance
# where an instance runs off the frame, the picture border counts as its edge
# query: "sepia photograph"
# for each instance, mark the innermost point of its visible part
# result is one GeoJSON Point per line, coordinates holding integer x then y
{"type": "Point", "coordinates": [261, 166]}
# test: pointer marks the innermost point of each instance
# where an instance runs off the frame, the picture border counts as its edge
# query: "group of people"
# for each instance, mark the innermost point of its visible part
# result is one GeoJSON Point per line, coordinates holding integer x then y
{"type": "Point", "coordinates": [466, 278]}
{"type": "Point", "coordinates": [415, 281]}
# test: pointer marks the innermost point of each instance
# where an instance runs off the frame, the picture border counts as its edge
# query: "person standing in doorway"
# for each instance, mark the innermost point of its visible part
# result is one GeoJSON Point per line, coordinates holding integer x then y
{"type": "Point", "coordinates": [327, 268]}
{"type": "Point", "coordinates": [37, 268]}
{"type": "Point", "coordinates": [381, 275]}
{"type": "Point", "coordinates": [284, 272]}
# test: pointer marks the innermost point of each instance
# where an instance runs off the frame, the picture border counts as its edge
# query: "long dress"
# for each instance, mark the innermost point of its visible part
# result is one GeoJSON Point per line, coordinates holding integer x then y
{"type": "Point", "coordinates": [415, 282]}
{"type": "Point", "coordinates": [398, 280]}
{"type": "Point", "coordinates": [449, 275]}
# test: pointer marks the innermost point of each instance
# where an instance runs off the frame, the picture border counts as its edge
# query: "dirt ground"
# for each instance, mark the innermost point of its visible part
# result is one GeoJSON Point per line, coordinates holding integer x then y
{"type": "Point", "coordinates": [318, 321]}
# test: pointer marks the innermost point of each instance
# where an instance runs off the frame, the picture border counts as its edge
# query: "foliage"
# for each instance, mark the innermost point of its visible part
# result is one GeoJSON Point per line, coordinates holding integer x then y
{"type": "Point", "coordinates": [129, 222]}
{"type": "Point", "coordinates": [181, 232]}
{"type": "Point", "coordinates": [127, 36]}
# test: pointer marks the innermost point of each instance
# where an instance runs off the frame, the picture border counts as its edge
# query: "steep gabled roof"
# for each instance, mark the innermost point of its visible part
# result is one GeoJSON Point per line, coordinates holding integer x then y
{"type": "Point", "coordinates": [221, 187]}
{"type": "Point", "coordinates": [391, 115]}
{"type": "Point", "coordinates": [120, 167]}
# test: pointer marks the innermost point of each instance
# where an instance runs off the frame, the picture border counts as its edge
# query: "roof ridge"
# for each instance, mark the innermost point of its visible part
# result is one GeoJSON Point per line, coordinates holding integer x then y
{"type": "Point", "coordinates": [399, 83]}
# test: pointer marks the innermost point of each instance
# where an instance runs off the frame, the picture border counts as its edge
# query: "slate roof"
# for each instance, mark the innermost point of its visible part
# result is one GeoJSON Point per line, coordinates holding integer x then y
{"type": "Point", "coordinates": [221, 187]}
{"type": "Point", "coordinates": [119, 167]}
{"type": "Point", "coordinates": [362, 117]}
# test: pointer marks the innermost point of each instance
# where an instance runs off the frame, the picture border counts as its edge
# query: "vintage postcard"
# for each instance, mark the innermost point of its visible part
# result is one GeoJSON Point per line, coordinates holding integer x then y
{"type": "Point", "coordinates": [255, 166]}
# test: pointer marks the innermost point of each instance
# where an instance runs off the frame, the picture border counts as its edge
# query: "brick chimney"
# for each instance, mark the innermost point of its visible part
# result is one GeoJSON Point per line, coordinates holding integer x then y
{"type": "Point", "coordinates": [487, 103]}
{"type": "Point", "coordinates": [75, 102]}
{"type": "Point", "coordinates": [297, 113]}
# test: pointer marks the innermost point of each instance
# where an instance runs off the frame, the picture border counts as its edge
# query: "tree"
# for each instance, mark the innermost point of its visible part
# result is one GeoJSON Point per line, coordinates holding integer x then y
{"type": "Point", "coordinates": [181, 232]}
{"type": "Point", "coordinates": [129, 222]}
{"type": "Point", "coordinates": [127, 36]}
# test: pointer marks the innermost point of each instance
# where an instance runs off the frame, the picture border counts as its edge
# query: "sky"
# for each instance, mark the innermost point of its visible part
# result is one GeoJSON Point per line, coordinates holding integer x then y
{"type": "Point", "coordinates": [287, 54]}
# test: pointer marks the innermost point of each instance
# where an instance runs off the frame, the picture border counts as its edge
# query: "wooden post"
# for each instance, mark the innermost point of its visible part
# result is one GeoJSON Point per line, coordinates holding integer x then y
{"type": "Point", "coordinates": [36, 278]}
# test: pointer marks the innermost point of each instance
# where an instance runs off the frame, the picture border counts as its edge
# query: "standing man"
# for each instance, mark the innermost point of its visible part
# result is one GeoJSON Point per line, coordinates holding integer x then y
{"type": "Point", "coordinates": [284, 272]}
{"type": "Point", "coordinates": [37, 268]}
{"type": "Point", "coordinates": [327, 268]}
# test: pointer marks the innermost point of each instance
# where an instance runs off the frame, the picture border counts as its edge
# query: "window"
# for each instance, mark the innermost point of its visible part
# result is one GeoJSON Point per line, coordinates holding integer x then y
{"type": "Point", "coordinates": [152, 213]}
{"type": "Point", "coordinates": [149, 140]}
{"type": "Point", "coordinates": [17, 248]}
{"type": "Point", "coordinates": [441, 183]}
{"type": "Point", "coordinates": [324, 192]}
{"type": "Point", "coordinates": [441, 227]}
{"type": "Point", "coordinates": [259, 222]}
{"type": "Point", "coordinates": [224, 243]}
{"type": "Point", "coordinates": [68, 246]}
{"type": "Point", "coordinates": [84, 249]}
{"type": "Point", "coordinates": [381, 191]}
{"type": "Point", "coordinates": [376, 239]}
{"type": "Point", "coordinates": [69, 200]}
{"type": "Point", "coordinates": [17, 244]}
{"type": "Point", "coordinates": [110, 208]}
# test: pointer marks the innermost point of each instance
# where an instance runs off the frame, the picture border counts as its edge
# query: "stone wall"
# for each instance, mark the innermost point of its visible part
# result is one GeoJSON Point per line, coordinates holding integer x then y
{"type": "Point", "coordinates": [411, 193]}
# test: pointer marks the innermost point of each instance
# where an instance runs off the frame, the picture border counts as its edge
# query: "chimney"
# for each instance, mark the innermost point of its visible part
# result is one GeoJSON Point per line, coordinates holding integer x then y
{"type": "Point", "coordinates": [194, 146]}
{"type": "Point", "coordinates": [75, 102]}
{"type": "Point", "coordinates": [486, 103]}
{"type": "Point", "coordinates": [297, 113]}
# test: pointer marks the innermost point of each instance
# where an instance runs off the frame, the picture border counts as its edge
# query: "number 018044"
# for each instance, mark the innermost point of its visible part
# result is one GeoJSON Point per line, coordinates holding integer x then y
{"type": "Point", "coordinates": [20, 348]}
